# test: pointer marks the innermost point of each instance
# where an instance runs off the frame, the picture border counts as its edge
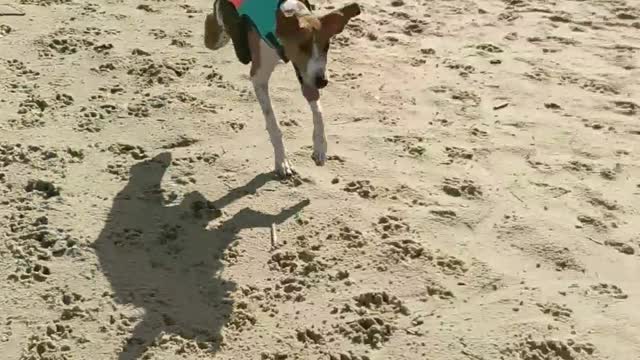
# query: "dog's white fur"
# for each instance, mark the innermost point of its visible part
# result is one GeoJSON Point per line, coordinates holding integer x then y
{"type": "Point", "coordinates": [293, 7]}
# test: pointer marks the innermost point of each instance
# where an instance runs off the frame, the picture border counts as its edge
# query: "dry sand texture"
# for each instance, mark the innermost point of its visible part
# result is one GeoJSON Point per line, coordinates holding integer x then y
{"type": "Point", "coordinates": [481, 202]}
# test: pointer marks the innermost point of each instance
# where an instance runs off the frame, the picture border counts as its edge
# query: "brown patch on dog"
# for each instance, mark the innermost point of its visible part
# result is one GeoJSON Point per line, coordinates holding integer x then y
{"type": "Point", "coordinates": [300, 33]}
{"type": "Point", "coordinates": [296, 33]}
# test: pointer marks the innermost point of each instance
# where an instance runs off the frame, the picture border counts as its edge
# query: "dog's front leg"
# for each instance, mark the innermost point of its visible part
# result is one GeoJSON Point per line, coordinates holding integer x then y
{"type": "Point", "coordinates": [282, 166]}
{"type": "Point", "coordinates": [264, 60]}
{"type": "Point", "coordinates": [319, 138]}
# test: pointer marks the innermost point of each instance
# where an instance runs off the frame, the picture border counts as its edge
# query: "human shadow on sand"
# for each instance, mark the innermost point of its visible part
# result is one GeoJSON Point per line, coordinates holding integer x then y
{"type": "Point", "coordinates": [163, 260]}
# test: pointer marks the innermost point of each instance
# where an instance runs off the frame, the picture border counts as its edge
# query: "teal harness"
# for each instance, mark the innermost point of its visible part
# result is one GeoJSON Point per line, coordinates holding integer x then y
{"type": "Point", "coordinates": [261, 14]}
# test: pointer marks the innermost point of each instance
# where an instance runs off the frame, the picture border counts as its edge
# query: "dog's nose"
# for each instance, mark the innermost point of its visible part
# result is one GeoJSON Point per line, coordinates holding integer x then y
{"type": "Point", "coordinates": [321, 82]}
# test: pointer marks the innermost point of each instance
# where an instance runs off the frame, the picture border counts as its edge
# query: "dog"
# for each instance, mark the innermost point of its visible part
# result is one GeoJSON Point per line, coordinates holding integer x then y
{"type": "Point", "coordinates": [266, 33]}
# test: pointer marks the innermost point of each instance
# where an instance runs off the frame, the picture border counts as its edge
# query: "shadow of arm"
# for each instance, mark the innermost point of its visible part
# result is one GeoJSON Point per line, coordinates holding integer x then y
{"type": "Point", "coordinates": [289, 212]}
{"type": "Point", "coordinates": [249, 188]}
{"type": "Point", "coordinates": [249, 218]}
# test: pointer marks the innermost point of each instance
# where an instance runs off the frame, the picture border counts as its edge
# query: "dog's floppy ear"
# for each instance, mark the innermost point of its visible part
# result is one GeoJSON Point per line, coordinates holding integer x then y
{"type": "Point", "coordinates": [334, 22]}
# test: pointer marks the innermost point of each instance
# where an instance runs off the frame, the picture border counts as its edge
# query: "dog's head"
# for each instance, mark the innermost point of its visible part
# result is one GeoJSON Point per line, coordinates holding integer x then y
{"type": "Point", "coordinates": [305, 38]}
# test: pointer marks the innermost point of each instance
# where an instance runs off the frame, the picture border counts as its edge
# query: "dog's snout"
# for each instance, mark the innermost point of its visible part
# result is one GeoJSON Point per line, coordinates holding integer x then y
{"type": "Point", "coordinates": [321, 82]}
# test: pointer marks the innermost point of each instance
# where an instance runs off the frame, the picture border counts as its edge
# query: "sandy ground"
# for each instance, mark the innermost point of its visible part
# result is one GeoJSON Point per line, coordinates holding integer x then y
{"type": "Point", "coordinates": [481, 202]}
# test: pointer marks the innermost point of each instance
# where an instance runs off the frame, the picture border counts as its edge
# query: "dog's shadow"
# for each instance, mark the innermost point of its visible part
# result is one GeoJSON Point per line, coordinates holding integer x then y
{"type": "Point", "coordinates": [162, 260]}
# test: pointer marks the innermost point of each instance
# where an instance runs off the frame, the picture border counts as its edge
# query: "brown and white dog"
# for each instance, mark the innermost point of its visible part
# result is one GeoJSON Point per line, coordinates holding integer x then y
{"type": "Point", "coordinates": [305, 39]}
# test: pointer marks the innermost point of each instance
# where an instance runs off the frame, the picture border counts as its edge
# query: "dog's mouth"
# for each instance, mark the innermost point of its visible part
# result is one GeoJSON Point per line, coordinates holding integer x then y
{"type": "Point", "coordinates": [311, 92]}
{"type": "Point", "coordinates": [321, 82]}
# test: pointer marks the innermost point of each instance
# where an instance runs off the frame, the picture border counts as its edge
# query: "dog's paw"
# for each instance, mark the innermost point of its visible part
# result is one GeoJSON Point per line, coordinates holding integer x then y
{"type": "Point", "coordinates": [319, 157]}
{"type": "Point", "coordinates": [319, 148]}
{"type": "Point", "coordinates": [284, 169]}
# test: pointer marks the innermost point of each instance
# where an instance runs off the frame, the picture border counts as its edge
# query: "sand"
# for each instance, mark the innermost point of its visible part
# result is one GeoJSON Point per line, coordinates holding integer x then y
{"type": "Point", "coordinates": [481, 200]}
